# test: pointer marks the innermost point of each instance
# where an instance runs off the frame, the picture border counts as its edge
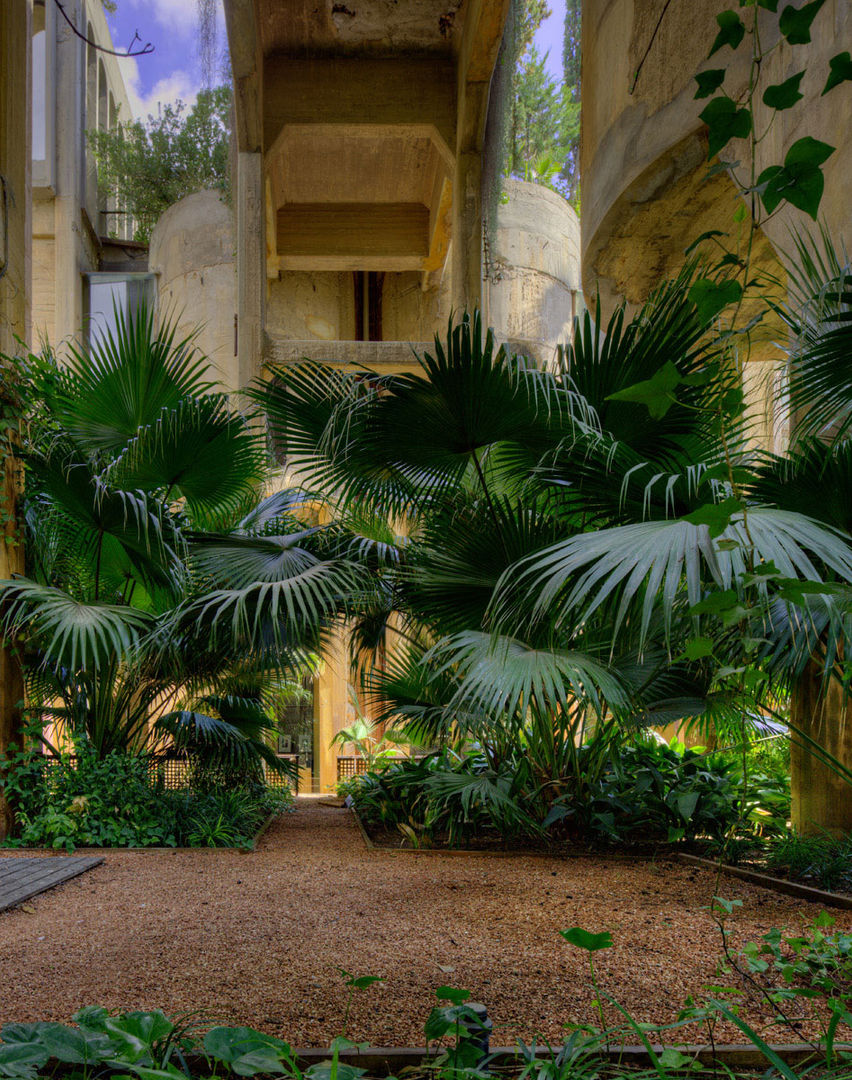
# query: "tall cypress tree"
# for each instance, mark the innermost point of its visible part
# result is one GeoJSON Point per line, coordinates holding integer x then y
{"type": "Point", "coordinates": [571, 48]}
{"type": "Point", "coordinates": [571, 69]}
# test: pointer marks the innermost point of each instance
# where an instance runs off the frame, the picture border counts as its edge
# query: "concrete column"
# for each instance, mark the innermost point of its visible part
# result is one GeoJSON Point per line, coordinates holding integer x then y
{"type": "Point", "coordinates": [70, 177]}
{"type": "Point", "coordinates": [15, 249]}
{"type": "Point", "coordinates": [251, 265]}
{"type": "Point", "coordinates": [467, 231]}
{"type": "Point", "coordinates": [822, 800]}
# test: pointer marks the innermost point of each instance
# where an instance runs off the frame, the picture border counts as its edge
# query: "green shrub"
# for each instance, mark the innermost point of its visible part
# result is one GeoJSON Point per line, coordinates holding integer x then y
{"type": "Point", "coordinates": [822, 861]}
{"type": "Point", "coordinates": [644, 794]}
{"type": "Point", "coordinates": [110, 801]}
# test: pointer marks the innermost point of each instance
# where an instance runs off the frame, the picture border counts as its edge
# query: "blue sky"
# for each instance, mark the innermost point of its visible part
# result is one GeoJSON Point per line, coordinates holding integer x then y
{"type": "Point", "coordinates": [173, 70]}
{"type": "Point", "coordinates": [549, 38]}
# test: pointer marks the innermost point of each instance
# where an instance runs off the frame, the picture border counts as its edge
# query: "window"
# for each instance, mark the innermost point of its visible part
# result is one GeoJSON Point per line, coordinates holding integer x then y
{"type": "Point", "coordinates": [111, 294]}
{"type": "Point", "coordinates": [43, 65]}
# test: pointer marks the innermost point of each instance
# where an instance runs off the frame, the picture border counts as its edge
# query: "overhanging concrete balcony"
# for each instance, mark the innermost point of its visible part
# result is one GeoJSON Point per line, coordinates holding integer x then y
{"type": "Point", "coordinates": [387, 355]}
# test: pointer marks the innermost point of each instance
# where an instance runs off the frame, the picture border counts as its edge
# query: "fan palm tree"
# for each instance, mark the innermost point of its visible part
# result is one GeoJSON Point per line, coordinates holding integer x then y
{"type": "Point", "coordinates": [162, 593]}
{"type": "Point", "coordinates": [560, 549]}
{"type": "Point", "coordinates": [444, 481]}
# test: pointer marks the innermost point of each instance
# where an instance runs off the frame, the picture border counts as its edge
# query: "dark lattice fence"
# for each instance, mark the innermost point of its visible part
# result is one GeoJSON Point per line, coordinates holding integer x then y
{"type": "Point", "coordinates": [347, 767]}
{"type": "Point", "coordinates": [173, 773]}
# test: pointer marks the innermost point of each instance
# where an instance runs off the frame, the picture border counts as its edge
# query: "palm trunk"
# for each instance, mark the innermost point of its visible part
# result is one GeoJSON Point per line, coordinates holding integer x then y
{"type": "Point", "coordinates": [822, 799]}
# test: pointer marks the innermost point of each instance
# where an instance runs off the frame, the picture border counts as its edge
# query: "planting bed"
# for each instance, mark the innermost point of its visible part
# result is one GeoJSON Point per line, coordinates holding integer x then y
{"type": "Point", "coordinates": [256, 938]}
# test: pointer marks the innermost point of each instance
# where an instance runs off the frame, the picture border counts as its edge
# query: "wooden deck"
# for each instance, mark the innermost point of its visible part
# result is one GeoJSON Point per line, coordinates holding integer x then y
{"type": "Point", "coordinates": [22, 878]}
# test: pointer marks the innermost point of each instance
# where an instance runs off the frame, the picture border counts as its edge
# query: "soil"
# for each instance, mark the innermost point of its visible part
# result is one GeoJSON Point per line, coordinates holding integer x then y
{"type": "Point", "coordinates": [258, 938]}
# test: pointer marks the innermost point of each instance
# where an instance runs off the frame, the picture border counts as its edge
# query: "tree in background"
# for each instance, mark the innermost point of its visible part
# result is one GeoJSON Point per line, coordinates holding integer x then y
{"type": "Point", "coordinates": [150, 166]}
{"type": "Point", "coordinates": [571, 70]}
{"type": "Point", "coordinates": [545, 123]}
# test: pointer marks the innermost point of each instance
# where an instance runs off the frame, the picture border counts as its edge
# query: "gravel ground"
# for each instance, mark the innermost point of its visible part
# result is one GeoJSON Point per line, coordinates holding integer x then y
{"type": "Point", "coordinates": [257, 938]}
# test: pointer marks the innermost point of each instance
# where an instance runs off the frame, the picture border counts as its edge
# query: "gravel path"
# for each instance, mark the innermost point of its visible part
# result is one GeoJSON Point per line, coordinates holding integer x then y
{"type": "Point", "coordinates": [256, 938]}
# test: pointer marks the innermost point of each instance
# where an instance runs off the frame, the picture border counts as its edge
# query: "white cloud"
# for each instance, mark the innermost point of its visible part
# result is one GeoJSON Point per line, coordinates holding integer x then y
{"type": "Point", "coordinates": [178, 86]}
{"type": "Point", "coordinates": [179, 20]}
{"type": "Point", "coordinates": [177, 16]}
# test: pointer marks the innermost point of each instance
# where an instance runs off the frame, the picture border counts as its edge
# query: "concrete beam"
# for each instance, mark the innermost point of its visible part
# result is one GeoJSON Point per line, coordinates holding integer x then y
{"type": "Point", "coordinates": [393, 93]}
{"type": "Point", "coordinates": [396, 355]}
{"type": "Point", "coordinates": [484, 23]}
{"type": "Point", "coordinates": [353, 236]}
{"type": "Point", "coordinates": [246, 65]}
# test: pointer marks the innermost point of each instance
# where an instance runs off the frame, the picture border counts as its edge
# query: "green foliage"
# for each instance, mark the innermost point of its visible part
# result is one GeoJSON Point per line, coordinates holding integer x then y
{"type": "Point", "coordinates": [824, 862]}
{"type": "Point", "coordinates": [636, 794]}
{"type": "Point", "coordinates": [544, 126]}
{"type": "Point", "coordinates": [812, 959]}
{"type": "Point", "coordinates": [725, 122]}
{"type": "Point", "coordinates": [112, 801]}
{"type": "Point", "coordinates": [152, 165]}
{"type": "Point", "coordinates": [164, 600]}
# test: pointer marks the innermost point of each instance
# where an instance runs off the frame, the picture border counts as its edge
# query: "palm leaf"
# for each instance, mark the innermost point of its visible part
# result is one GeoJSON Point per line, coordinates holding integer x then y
{"type": "Point", "coordinates": [649, 563]}
{"type": "Point", "coordinates": [127, 379]}
{"type": "Point", "coordinates": [68, 632]}
{"type": "Point", "coordinates": [502, 674]}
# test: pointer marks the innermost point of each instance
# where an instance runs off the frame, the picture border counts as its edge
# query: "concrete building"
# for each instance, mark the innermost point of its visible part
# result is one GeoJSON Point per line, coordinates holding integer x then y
{"type": "Point", "coordinates": [15, 250]}
{"type": "Point", "coordinates": [359, 217]}
{"type": "Point", "coordinates": [82, 247]}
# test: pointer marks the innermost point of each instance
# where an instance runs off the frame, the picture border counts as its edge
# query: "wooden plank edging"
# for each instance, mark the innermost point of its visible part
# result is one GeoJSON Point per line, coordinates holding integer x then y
{"type": "Point", "coordinates": [42, 885]}
{"type": "Point", "coordinates": [779, 885]}
{"type": "Point", "coordinates": [393, 1059]}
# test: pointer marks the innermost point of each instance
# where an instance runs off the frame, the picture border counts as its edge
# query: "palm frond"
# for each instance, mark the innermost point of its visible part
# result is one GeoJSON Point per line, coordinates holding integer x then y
{"type": "Point", "coordinates": [69, 633]}
{"type": "Point", "coordinates": [652, 563]}
{"type": "Point", "coordinates": [503, 674]}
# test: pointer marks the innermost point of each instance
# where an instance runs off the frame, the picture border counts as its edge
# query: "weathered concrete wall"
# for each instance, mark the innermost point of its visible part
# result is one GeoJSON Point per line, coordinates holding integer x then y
{"type": "Point", "coordinates": [15, 170]}
{"type": "Point", "coordinates": [83, 90]}
{"type": "Point", "coordinates": [302, 306]}
{"type": "Point", "coordinates": [192, 253]}
{"type": "Point", "coordinates": [533, 289]}
{"type": "Point", "coordinates": [645, 197]}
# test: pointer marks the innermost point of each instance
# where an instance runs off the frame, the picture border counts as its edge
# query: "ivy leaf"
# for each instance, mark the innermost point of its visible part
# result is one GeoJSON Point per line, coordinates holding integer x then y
{"type": "Point", "coordinates": [716, 603]}
{"type": "Point", "coordinates": [657, 393]}
{"type": "Point", "coordinates": [710, 297]}
{"type": "Point", "coordinates": [799, 180]}
{"type": "Point", "coordinates": [784, 95]}
{"type": "Point", "coordinates": [698, 648]}
{"type": "Point", "coordinates": [709, 82]}
{"type": "Point", "coordinates": [725, 122]}
{"type": "Point", "coordinates": [731, 31]}
{"type": "Point", "coordinates": [840, 71]}
{"type": "Point", "coordinates": [808, 151]}
{"type": "Point", "coordinates": [770, 5]}
{"type": "Point", "coordinates": [795, 23]}
{"type": "Point", "coordinates": [716, 516]}
{"type": "Point", "coordinates": [582, 939]}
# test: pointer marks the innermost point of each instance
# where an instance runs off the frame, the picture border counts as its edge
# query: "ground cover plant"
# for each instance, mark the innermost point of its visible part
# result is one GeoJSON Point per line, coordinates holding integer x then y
{"type": "Point", "coordinates": [644, 795]}
{"type": "Point", "coordinates": [119, 801]}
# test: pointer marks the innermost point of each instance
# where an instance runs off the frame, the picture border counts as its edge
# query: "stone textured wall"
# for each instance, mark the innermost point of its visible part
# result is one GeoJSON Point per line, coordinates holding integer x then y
{"type": "Point", "coordinates": [192, 253]}
{"type": "Point", "coordinates": [533, 290]}
{"type": "Point", "coordinates": [644, 149]}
